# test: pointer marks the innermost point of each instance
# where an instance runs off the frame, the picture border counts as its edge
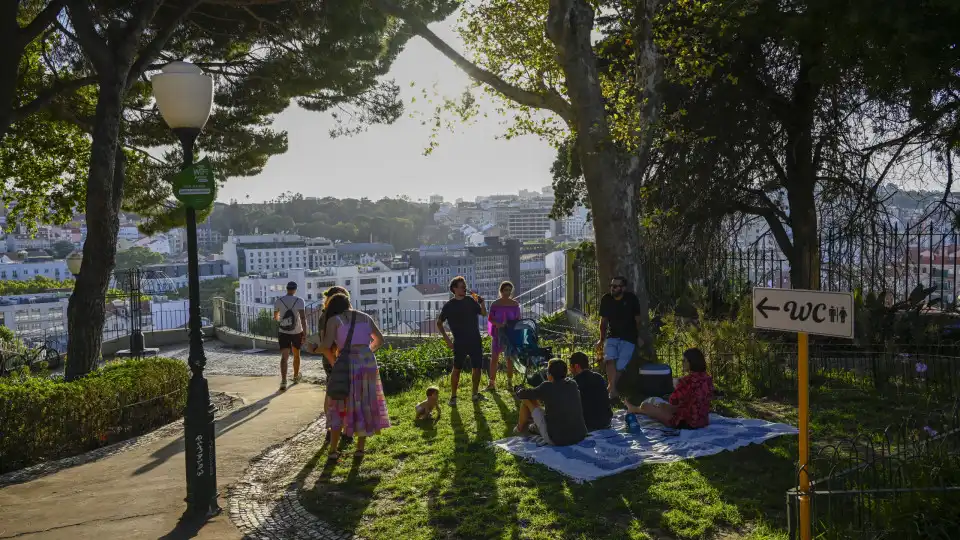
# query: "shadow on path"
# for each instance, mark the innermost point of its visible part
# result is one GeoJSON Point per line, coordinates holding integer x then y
{"type": "Point", "coordinates": [223, 425]}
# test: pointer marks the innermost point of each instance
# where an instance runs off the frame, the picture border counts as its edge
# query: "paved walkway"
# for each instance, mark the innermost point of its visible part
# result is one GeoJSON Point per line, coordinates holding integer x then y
{"type": "Point", "coordinates": [224, 360]}
{"type": "Point", "coordinates": [139, 493]}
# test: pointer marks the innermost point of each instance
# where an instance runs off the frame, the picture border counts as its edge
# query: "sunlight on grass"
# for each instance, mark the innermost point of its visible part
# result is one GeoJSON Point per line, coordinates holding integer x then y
{"type": "Point", "coordinates": [424, 481]}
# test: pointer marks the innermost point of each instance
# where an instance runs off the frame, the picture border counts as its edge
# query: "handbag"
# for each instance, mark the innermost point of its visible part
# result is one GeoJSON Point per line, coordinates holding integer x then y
{"type": "Point", "coordinates": [338, 384]}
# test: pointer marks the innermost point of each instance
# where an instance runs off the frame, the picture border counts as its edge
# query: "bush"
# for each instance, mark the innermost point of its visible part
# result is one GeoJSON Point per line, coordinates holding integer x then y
{"type": "Point", "coordinates": [400, 368]}
{"type": "Point", "coordinates": [44, 419]}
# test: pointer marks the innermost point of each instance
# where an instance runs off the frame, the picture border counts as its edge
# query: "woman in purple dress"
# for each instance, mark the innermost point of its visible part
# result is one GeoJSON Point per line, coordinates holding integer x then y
{"type": "Point", "coordinates": [503, 310]}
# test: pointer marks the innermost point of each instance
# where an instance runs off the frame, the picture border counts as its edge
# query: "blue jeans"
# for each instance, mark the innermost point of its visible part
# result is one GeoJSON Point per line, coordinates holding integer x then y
{"type": "Point", "coordinates": [619, 351]}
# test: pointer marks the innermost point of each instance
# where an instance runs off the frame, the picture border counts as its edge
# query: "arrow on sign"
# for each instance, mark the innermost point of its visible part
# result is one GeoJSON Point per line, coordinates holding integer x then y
{"type": "Point", "coordinates": [763, 308]}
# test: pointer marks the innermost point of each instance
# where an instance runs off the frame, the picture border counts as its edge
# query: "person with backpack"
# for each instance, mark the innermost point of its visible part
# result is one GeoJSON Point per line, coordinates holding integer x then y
{"type": "Point", "coordinates": [290, 312]}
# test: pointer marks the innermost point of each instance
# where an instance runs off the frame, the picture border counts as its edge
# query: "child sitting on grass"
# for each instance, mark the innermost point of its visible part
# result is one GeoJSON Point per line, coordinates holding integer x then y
{"type": "Point", "coordinates": [426, 407]}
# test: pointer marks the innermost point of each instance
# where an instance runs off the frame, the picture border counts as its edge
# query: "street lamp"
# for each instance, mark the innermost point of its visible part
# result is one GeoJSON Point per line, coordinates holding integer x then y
{"type": "Point", "coordinates": [184, 96]}
{"type": "Point", "coordinates": [74, 262]}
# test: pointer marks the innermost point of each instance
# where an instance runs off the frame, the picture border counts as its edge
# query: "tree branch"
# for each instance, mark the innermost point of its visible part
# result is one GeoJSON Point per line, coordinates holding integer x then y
{"type": "Point", "coordinates": [159, 41]}
{"type": "Point", "coordinates": [87, 36]}
{"type": "Point", "coordinates": [40, 23]}
{"type": "Point", "coordinates": [549, 101]}
{"type": "Point", "coordinates": [44, 98]}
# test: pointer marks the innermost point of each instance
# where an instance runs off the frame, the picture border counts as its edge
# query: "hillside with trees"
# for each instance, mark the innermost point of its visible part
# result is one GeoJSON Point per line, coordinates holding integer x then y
{"type": "Point", "coordinates": [400, 222]}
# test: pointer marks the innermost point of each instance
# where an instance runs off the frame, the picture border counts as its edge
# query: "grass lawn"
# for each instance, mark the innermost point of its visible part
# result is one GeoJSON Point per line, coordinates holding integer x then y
{"type": "Point", "coordinates": [444, 481]}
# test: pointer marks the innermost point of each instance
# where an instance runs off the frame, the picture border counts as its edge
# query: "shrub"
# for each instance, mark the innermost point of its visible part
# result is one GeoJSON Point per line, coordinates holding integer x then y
{"type": "Point", "coordinates": [43, 419]}
{"type": "Point", "coordinates": [400, 368]}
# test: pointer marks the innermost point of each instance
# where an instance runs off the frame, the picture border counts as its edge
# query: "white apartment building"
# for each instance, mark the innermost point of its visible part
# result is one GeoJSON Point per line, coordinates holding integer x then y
{"type": "Point", "coordinates": [419, 308]}
{"type": "Point", "coordinates": [35, 314]}
{"type": "Point", "coordinates": [373, 288]}
{"type": "Point", "coordinates": [27, 269]}
{"type": "Point", "coordinates": [38, 316]}
{"type": "Point", "coordinates": [259, 253]}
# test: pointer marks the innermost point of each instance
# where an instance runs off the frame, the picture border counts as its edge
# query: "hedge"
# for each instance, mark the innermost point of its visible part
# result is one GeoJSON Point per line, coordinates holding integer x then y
{"type": "Point", "coordinates": [400, 368]}
{"type": "Point", "coordinates": [45, 419]}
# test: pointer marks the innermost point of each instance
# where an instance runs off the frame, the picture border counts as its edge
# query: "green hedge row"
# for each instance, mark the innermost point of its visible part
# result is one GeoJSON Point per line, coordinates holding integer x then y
{"type": "Point", "coordinates": [44, 419]}
{"type": "Point", "coordinates": [400, 368]}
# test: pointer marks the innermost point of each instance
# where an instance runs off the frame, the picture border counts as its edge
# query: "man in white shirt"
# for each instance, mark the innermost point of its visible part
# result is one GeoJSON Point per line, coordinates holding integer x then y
{"type": "Point", "coordinates": [290, 312]}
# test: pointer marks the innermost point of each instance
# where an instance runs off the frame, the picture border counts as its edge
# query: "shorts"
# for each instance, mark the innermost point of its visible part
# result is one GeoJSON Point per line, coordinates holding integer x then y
{"type": "Point", "coordinates": [619, 351]}
{"type": "Point", "coordinates": [540, 421]}
{"type": "Point", "coordinates": [472, 350]}
{"type": "Point", "coordinates": [289, 341]}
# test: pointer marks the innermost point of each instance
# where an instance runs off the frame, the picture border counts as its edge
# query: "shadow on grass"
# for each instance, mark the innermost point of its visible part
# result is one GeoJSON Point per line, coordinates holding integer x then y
{"type": "Point", "coordinates": [472, 484]}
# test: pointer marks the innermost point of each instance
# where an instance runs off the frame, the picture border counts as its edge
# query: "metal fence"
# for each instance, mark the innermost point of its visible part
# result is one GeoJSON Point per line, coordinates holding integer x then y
{"type": "Point", "coordinates": [545, 299]}
{"type": "Point", "coordinates": [888, 260]}
{"type": "Point", "coordinates": [904, 482]}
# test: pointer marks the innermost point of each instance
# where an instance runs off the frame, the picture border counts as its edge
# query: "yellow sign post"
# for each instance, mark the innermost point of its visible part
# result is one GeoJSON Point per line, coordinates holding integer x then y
{"type": "Point", "coordinates": [803, 401]}
{"type": "Point", "coordinates": [804, 312]}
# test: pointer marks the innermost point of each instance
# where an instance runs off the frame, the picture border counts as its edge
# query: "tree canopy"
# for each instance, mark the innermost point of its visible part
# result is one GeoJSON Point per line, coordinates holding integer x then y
{"type": "Point", "coordinates": [94, 75]}
{"type": "Point", "coordinates": [393, 221]}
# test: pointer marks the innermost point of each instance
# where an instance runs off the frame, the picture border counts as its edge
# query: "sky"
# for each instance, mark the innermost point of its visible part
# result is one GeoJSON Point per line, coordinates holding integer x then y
{"type": "Point", "coordinates": [387, 161]}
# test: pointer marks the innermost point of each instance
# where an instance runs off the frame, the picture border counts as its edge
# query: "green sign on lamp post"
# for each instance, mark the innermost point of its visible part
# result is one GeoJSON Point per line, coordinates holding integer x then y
{"type": "Point", "coordinates": [195, 186]}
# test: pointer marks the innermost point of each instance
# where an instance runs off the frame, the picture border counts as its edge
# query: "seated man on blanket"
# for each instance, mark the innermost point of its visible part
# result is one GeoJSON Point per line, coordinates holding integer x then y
{"type": "Point", "coordinates": [562, 423]}
{"type": "Point", "coordinates": [689, 404]}
{"type": "Point", "coordinates": [593, 393]}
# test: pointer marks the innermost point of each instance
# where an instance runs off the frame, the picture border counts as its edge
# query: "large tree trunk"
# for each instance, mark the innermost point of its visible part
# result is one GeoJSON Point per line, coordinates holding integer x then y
{"type": "Point", "coordinates": [611, 184]}
{"type": "Point", "coordinates": [85, 312]}
{"type": "Point", "coordinates": [802, 175]}
{"type": "Point", "coordinates": [805, 255]}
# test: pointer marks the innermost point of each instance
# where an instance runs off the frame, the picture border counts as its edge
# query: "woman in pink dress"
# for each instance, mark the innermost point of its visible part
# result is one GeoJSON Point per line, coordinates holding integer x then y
{"type": "Point", "coordinates": [503, 311]}
{"type": "Point", "coordinates": [364, 412]}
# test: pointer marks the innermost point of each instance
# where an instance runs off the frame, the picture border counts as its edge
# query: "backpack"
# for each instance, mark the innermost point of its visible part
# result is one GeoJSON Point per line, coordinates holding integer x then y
{"type": "Point", "coordinates": [289, 319]}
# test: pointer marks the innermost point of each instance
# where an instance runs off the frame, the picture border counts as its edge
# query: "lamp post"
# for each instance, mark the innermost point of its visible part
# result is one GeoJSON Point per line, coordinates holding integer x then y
{"type": "Point", "coordinates": [184, 96]}
{"type": "Point", "coordinates": [74, 262]}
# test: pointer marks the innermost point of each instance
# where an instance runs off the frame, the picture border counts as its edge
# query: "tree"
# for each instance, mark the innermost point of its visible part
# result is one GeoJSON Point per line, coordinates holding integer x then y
{"type": "Point", "coordinates": [137, 257]}
{"type": "Point", "coordinates": [61, 248]}
{"type": "Point", "coordinates": [561, 75]}
{"type": "Point", "coordinates": [36, 285]}
{"type": "Point", "coordinates": [770, 115]}
{"type": "Point", "coordinates": [264, 53]}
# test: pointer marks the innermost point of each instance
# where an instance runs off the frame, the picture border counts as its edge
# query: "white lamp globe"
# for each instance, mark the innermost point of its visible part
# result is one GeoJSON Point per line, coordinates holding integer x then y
{"type": "Point", "coordinates": [184, 95]}
{"type": "Point", "coordinates": [74, 262]}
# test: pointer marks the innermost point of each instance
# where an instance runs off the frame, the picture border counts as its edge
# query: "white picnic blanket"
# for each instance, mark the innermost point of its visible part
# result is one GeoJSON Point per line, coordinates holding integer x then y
{"type": "Point", "coordinates": [611, 451]}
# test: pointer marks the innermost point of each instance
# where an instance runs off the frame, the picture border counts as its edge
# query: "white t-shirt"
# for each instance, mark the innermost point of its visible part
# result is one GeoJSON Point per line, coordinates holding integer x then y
{"type": "Point", "coordinates": [290, 303]}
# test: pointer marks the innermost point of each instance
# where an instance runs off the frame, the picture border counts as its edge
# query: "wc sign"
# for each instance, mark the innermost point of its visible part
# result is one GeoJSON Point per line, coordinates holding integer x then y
{"type": "Point", "coordinates": [798, 310]}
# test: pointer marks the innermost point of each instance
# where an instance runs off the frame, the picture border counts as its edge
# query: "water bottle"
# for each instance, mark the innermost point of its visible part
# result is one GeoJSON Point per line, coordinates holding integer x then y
{"type": "Point", "coordinates": [633, 425]}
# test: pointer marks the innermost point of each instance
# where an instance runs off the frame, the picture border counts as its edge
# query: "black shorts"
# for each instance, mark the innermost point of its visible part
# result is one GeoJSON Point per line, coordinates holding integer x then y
{"type": "Point", "coordinates": [473, 351]}
{"type": "Point", "coordinates": [289, 341]}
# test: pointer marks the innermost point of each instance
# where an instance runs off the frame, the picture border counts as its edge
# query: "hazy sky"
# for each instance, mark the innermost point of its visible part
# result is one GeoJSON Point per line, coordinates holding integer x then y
{"type": "Point", "coordinates": [389, 160]}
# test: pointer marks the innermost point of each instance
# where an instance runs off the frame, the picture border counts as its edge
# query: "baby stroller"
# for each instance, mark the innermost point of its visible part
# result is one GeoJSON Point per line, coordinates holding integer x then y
{"type": "Point", "coordinates": [531, 359]}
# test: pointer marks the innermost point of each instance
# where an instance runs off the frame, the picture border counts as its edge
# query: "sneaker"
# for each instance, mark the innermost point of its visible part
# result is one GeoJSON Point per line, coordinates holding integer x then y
{"type": "Point", "coordinates": [453, 401]}
{"type": "Point", "coordinates": [297, 378]}
{"type": "Point", "coordinates": [490, 388]}
{"type": "Point", "coordinates": [283, 385]}
{"type": "Point", "coordinates": [478, 397]}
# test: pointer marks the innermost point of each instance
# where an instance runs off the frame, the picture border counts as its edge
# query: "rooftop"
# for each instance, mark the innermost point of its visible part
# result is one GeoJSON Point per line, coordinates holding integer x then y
{"type": "Point", "coordinates": [431, 289]}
